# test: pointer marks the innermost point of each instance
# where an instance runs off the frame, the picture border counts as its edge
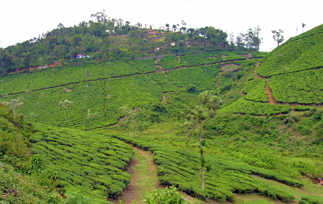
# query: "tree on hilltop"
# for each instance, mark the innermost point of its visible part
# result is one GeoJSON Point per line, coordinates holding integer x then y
{"type": "Point", "coordinates": [252, 38]}
{"type": "Point", "coordinates": [167, 26]}
{"type": "Point", "coordinates": [278, 36]}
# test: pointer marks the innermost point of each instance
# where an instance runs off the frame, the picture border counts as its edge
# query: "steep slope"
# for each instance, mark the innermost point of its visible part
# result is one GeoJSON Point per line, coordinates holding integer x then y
{"type": "Point", "coordinates": [299, 53]}
{"type": "Point", "coordinates": [22, 179]}
{"type": "Point", "coordinates": [85, 162]}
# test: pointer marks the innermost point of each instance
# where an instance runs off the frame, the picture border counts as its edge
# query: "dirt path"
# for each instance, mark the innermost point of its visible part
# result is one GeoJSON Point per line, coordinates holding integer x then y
{"type": "Point", "coordinates": [164, 97]}
{"type": "Point", "coordinates": [120, 120]}
{"type": "Point", "coordinates": [143, 178]}
{"type": "Point", "coordinates": [232, 65]}
{"type": "Point", "coordinates": [128, 194]}
{"type": "Point", "coordinates": [270, 94]}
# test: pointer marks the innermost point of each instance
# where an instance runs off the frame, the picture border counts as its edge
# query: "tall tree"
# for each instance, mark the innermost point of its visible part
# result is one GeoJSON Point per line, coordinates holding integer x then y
{"type": "Point", "coordinates": [15, 104]}
{"type": "Point", "coordinates": [252, 38]}
{"type": "Point", "coordinates": [278, 36]}
{"type": "Point", "coordinates": [133, 116]}
{"type": "Point", "coordinates": [83, 109]}
{"type": "Point", "coordinates": [65, 104]}
{"type": "Point", "coordinates": [208, 105]}
{"type": "Point", "coordinates": [91, 115]}
{"type": "Point", "coordinates": [167, 26]}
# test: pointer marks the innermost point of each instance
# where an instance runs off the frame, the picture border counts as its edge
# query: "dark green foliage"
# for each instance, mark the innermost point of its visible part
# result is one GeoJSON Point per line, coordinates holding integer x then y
{"type": "Point", "coordinates": [305, 126]}
{"type": "Point", "coordinates": [191, 88]}
{"type": "Point", "coordinates": [303, 87]}
{"type": "Point", "coordinates": [23, 177]}
{"type": "Point", "coordinates": [298, 53]}
{"type": "Point", "coordinates": [253, 108]}
{"type": "Point", "coordinates": [301, 108]}
{"type": "Point", "coordinates": [310, 200]}
{"type": "Point", "coordinates": [224, 175]}
{"type": "Point", "coordinates": [167, 196]}
{"type": "Point", "coordinates": [318, 129]}
{"type": "Point", "coordinates": [14, 144]}
{"type": "Point", "coordinates": [91, 163]}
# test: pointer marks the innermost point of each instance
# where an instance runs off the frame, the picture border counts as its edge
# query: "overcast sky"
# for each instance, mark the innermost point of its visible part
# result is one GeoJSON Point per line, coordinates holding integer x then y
{"type": "Point", "coordinates": [23, 20]}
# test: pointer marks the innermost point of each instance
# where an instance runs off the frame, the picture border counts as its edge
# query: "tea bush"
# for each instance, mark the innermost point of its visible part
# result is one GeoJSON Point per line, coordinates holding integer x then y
{"type": "Point", "coordinates": [91, 163]}
{"type": "Point", "coordinates": [224, 176]}
{"type": "Point", "coordinates": [243, 106]}
{"type": "Point", "coordinates": [301, 87]}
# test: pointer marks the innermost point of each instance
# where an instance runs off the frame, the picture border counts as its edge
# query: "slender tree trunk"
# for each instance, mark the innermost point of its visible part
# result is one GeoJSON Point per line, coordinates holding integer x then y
{"type": "Point", "coordinates": [90, 124]}
{"type": "Point", "coordinates": [66, 117]}
{"type": "Point", "coordinates": [13, 108]}
{"type": "Point", "coordinates": [203, 177]}
{"type": "Point", "coordinates": [186, 136]}
{"type": "Point", "coordinates": [128, 130]}
{"type": "Point", "coordinates": [201, 134]}
{"type": "Point", "coordinates": [134, 131]}
{"type": "Point", "coordinates": [202, 155]}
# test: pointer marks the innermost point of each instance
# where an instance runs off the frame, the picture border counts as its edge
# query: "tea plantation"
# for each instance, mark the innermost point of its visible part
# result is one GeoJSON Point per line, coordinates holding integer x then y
{"type": "Point", "coordinates": [256, 90]}
{"type": "Point", "coordinates": [246, 144]}
{"type": "Point", "coordinates": [224, 176]}
{"type": "Point", "coordinates": [172, 61]}
{"type": "Point", "coordinates": [104, 97]}
{"type": "Point", "coordinates": [53, 77]}
{"type": "Point", "coordinates": [243, 106]}
{"type": "Point", "coordinates": [299, 53]}
{"type": "Point", "coordinates": [305, 87]}
{"type": "Point", "coordinates": [202, 77]}
{"type": "Point", "coordinates": [84, 161]}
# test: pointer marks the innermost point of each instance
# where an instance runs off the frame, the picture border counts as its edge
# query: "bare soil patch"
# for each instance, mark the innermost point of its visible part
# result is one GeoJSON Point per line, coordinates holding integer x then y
{"type": "Point", "coordinates": [120, 120]}
{"type": "Point", "coordinates": [225, 66]}
{"type": "Point", "coordinates": [248, 56]}
{"type": "Point", "coordinates": [164, 97]}
{"type": "Point", "coordinates": [270, 94]}
{"type": "Point", "coordinates": [128, 194]}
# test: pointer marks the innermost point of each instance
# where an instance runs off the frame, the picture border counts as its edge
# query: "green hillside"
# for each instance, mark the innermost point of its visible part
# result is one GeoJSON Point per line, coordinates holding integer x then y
{"type": "Point", "coordinates": [96, 170]}
{"type": "Point", "coordinates": [299, 53]}
{"type": "Point", "coordinates": [263, 139]}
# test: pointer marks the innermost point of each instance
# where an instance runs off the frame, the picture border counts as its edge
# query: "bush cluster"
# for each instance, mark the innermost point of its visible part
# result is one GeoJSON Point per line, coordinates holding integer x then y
{"type": "Point", "coordinates": [301, 87]}
{"type": "Point", "coordinates": [91, 163]}
{"type": "Point", "coordinates": [243, 106]}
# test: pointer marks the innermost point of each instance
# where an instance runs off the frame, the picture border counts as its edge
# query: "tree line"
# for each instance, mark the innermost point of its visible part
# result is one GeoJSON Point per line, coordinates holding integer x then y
{"type": "Point", "coordinates": [102, 38]}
